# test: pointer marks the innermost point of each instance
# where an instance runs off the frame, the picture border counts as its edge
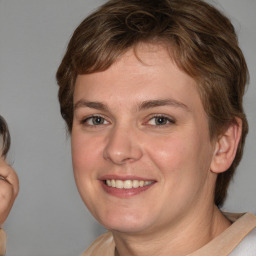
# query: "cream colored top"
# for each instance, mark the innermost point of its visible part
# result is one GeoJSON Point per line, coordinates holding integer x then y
{"type": "Point", "coordinates": [222, 245]}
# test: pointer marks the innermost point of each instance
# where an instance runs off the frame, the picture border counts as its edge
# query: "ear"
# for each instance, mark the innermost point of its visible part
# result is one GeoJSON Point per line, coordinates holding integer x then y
{"type": "Point", "coordinates": [226, 147]}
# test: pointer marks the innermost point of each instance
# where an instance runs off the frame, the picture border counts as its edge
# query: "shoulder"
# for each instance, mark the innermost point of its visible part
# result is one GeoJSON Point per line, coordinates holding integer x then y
{"type": "Point", "coordinates": [237, 240]}
{"type": "Point", "coordinates": [103, 245]}
{"type": "Point", "coordinates": [247, 246]}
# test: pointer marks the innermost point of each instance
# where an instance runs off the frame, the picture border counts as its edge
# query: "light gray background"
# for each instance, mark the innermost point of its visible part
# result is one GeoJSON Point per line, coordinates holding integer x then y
{"type": "Point", "coordinates": [49, 218]}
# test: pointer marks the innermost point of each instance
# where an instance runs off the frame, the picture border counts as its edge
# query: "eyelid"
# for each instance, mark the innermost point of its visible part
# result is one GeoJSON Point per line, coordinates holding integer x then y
{"type": "Point", "coordinates": [170, 120]}
{"type": "Point", "coordinates": [84, 120]}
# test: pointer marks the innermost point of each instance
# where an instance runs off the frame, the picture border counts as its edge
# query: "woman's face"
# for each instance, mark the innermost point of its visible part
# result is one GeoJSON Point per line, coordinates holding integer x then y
{"type": "Point", "coordinates": [140, 143]}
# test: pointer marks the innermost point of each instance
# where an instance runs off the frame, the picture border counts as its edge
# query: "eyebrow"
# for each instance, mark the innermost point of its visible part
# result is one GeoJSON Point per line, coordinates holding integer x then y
{"type": "Point", "coordinates": [162, 102]}
{"type": "Point", "coordinates": [142, 106]}
{"type": "Point", "coordinates": [90, 104]}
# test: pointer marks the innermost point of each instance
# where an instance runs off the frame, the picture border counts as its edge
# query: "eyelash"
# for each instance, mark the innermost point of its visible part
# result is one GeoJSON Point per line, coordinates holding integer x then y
{"type": "Point", "coordinates": [87, 119]}
{"type": "Point", "coordinates": [166, 120]}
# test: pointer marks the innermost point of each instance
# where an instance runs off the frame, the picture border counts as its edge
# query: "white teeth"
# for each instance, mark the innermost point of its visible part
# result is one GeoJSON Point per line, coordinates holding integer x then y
{"type": "Point", "coordinates": [127, 184]}
{"type": "Point", "coordinates": [113, 183]}
{"type": "Point", "coordinates": [135, 184]}
{"type": "Point", "coordinates": [119, 184]}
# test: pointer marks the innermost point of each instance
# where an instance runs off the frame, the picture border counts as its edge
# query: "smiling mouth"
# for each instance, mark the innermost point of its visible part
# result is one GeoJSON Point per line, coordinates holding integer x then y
{"type": "Point", "coordinates": [127, 184]}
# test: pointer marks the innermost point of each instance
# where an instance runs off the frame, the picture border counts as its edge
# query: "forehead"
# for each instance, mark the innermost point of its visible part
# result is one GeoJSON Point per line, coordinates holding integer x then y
{"type": "Point", "coordinates": [144, 72]}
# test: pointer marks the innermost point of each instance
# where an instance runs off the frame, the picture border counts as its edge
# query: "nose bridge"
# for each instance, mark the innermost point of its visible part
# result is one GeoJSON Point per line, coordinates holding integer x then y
{"type": "Point", "coordinates": [122, 145]}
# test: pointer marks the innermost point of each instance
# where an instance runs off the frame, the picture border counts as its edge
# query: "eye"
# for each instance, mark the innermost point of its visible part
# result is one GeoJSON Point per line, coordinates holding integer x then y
{"type": "Point", "coordinates": [160, 120]}
{"type": "Point", "coordinates": [94, 121]}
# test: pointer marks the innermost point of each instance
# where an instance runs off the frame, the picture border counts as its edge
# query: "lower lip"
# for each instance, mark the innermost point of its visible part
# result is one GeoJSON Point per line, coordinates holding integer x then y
{"type": "Point", "coordinates": [125, 193]}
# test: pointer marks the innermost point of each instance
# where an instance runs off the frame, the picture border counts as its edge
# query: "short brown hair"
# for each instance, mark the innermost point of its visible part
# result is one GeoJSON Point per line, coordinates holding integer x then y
{"type": "Point", "coordinates": [4, 133]}
{"type": "Point", "coordinates": [202, 42]}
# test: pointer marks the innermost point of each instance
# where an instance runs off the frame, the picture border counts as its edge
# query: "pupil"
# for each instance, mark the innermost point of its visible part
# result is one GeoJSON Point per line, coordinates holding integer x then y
{"type": "Point", "coordinates": [98, 120]}
{"type": "Point", "coordinates": [161, 120]}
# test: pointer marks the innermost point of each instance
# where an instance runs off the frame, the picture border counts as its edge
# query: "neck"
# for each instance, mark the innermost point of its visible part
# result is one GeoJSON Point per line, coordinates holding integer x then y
{"type": "Point", "coordinates": [180, 239]}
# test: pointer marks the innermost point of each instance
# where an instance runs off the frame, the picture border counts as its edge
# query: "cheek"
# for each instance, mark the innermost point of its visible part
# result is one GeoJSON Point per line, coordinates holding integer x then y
{"type": "Point", "coordinates": [169, 153]}
{"type": "Point", "coordinates": [84, 157]}
{"type": "Point", "coordinates": [183, 154]}
{"type": "Point", "coordinates": [85, 153]}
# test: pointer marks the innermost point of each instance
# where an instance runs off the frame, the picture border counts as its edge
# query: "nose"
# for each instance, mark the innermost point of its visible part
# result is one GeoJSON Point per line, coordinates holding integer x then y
{"type": "Point", "coordinates": [122, 146]}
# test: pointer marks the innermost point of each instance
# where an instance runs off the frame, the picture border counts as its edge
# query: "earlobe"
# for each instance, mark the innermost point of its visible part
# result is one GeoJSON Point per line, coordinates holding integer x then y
{"type": "Point", "coordinates": [226, 147]}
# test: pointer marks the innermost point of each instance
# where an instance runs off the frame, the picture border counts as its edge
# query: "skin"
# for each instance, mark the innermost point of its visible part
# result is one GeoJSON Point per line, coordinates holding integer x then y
{"type": "Point", "coordinates": [9, 188]}
{"type": "Point", "coordinates": [135, 96]}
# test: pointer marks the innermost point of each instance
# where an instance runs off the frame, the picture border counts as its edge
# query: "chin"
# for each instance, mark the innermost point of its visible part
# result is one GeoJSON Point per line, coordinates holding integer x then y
{"type": "Point", "coordinates": [124, 222]}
